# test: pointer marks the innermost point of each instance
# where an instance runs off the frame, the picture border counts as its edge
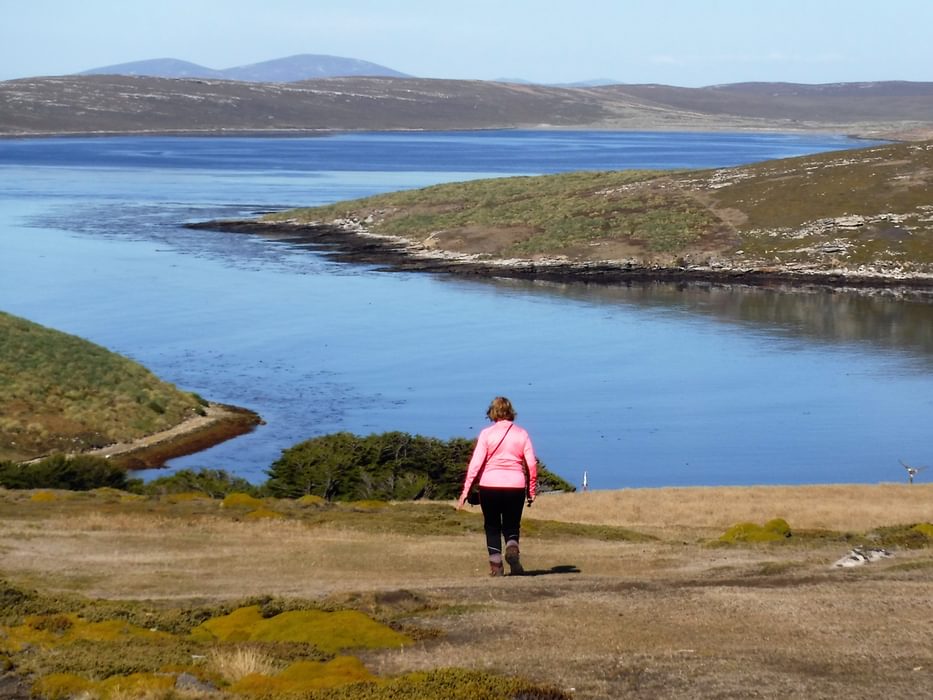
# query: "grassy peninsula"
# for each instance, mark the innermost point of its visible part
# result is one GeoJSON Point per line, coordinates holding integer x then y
{"type": "Point", "coordinates": [64, 394]}
{"type": "Point", "coordinates": [859, 215]}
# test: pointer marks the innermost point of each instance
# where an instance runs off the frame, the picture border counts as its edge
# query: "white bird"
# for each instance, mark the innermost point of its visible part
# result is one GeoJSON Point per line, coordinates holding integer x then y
{"type": "Point", "coordinates": [860, 555]}
{"type": "Point", "coordinates": [911, 471]}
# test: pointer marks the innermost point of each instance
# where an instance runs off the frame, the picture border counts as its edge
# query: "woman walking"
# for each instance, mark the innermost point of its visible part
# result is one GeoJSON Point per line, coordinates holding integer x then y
{"type": "Point", "coordinates": [506, 469]}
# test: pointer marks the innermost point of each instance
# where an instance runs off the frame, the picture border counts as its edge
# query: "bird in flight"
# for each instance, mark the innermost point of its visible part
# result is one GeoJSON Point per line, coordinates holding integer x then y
{"type": "Point", "coordinates": [911, 471]}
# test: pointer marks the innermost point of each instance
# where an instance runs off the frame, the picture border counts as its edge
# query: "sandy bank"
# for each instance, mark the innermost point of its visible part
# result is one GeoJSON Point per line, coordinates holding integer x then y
{"type": "Point", "coordinates": [219, 423]}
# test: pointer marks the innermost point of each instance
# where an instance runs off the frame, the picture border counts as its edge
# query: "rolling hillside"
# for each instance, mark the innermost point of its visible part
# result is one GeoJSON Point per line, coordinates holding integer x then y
{"type": "Point", "coordinates": [127, 104]}
{"type": "Point", "coordinates": [62, 393]}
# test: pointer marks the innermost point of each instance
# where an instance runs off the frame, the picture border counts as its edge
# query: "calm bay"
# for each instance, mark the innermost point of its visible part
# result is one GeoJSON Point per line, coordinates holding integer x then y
{"type": "Point", "coordinates": [648, 385]}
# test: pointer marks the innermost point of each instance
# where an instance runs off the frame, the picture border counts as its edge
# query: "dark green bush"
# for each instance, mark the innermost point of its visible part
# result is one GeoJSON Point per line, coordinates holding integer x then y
{"type": "Point", "coordinates": [385, 466]}
{"type": "Point", "coordinates": [344, 466]}
{"type": "Point", "coordinates": [80, 473]}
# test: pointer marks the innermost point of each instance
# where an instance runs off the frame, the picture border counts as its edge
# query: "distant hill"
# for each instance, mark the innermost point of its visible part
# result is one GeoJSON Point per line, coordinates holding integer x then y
{"type": "Point", "coordinates": [794, 102]}
{"type": "Point", "coordinates": [140, 104]}
{"type": "Point", "coordinates": [281, 70]}
{"type": "Point", "coordinates": [158, 67]}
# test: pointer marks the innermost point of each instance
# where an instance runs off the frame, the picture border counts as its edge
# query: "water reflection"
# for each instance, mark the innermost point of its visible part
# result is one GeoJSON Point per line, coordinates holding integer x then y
{"type": "Point", "coordinates": [893, 320]}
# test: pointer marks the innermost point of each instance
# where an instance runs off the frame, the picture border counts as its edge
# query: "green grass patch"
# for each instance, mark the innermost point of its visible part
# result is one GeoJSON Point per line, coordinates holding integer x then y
{"type": "Point", "coordinates": [379, 517]}
{"type": "Point", "coordinates": [554, 213]}
{"type": "Point", "coordinates": [763, 215]}
{"type": "Point", "coordinates": [64, 394]}
{"type": "Point", "coordinates": [913, 536]}
{"type": "Point", "coordinates": [557, 529]}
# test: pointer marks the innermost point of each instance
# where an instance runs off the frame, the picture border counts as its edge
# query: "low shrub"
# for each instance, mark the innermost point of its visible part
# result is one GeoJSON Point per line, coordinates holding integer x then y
{"type": "Point", "coordinates": [311, 501]}
{"type": "Point", "coordinates": [449, 684]}
{"type": "Point", "coordinates": [913, 536]}
{"type": "Point", "coordinates": [78, 473]}
{"type": "Point", "coordinates": [241, 500]}
{"type": "Point", "coordinates": [215, 483]}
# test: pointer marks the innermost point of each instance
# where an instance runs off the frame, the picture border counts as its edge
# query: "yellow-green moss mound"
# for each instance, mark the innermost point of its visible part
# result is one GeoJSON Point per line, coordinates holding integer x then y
{"type": "Point", "coordinates": [330, 632]}
{"type": "Point", "coordinates": [65, 686]}
{"type": "Point", "coordinates": [311, 500]}
{"type": "Point", "coordinates": [303, 676]}
{"type": "Point", "coordinates": [263, 513]}
{"type": "Point", "coordinates": [241, 500]}
{"type": "Point", "coordinates": [48, 631]}
{"type": "Point", "coordinates": [775, 530]}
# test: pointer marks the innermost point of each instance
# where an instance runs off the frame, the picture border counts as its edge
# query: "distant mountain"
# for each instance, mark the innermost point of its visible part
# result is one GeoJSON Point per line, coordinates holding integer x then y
{"type": "Point", "coordinates": [596, 82]}
{"type": "Point", "coordinates": [281, 70]}
{"type": "Point", "coordinates": [158, 67]}
{"type": "Point", "coordinates": [308, 67]}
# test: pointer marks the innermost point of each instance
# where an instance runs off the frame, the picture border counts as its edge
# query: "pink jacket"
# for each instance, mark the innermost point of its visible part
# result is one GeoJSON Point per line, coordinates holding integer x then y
{"type": "Point", "coordinates": [504, 469]}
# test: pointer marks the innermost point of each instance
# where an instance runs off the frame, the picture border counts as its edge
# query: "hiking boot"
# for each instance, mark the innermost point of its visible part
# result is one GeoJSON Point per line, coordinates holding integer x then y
{"type": "Point", "coordinates": [496, 568]}
{"type": "Point", "coordinates": [511, 556]}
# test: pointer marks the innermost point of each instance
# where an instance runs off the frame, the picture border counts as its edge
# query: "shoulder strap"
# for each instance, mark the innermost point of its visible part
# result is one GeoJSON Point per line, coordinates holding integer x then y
{"type": "Point", "coordinates": [500, 442]}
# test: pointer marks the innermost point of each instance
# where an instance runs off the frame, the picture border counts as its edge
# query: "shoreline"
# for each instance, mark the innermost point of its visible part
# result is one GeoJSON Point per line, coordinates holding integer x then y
{"type": "Point", "coordinates": [353, 244]}
{"type": "Point", "coordinates": [220, 423]}
{"type": "Point", "coordinates": [864, 134]}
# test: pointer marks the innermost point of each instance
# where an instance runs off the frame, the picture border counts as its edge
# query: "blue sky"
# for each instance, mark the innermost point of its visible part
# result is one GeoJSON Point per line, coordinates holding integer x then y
{"type": "Point", "coordinates": [678, 42]}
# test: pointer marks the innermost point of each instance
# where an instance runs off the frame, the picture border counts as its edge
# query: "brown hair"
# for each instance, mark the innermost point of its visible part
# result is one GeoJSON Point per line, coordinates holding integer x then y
{"type": "Point", "coordinates": [500, 409]}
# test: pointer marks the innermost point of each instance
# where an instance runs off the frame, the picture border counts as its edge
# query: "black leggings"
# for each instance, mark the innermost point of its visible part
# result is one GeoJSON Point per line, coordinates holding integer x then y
{"type": "Point", "coordinates": [502, 515]}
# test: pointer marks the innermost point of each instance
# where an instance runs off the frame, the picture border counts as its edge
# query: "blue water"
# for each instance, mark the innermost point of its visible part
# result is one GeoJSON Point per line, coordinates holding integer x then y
{"type": "Point", "coordinates": [639, 386]}
{"type": "Point", "coordinates": [487, 152]}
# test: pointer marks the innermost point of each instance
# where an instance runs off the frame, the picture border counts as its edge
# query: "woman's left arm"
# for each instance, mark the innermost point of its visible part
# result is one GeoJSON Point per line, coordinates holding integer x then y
{"type": "Point", "coordinates": [532, 463]}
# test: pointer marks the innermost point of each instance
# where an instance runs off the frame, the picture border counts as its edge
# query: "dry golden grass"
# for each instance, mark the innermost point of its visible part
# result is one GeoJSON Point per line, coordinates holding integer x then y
{"type": "Point", "coordinates": [671, 617]}
{"type": "Point", "coordinates": [843, 507]}
{"type": "Point", "coordinates": [233, 664]}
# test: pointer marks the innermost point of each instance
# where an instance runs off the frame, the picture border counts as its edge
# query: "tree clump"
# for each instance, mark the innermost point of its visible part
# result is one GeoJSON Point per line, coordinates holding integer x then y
{"type": "Point", "coordinates": [384, 466]}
